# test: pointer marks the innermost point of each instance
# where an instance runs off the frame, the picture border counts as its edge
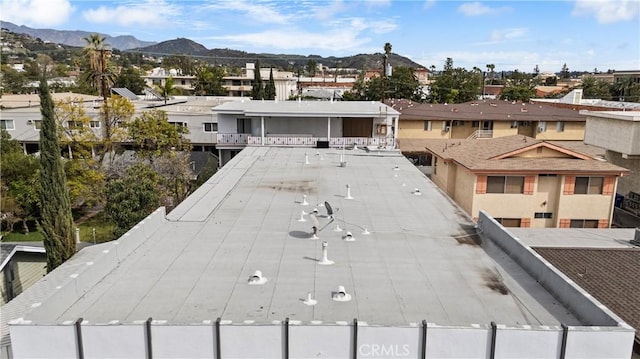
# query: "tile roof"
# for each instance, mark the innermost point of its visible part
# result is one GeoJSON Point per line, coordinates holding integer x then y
{"type": "Point", "coordinates": [480, 155]}
{"type": "Point", "coordinates": [494, 110]}
{"type": "Point", "coordinates": [611, 275]}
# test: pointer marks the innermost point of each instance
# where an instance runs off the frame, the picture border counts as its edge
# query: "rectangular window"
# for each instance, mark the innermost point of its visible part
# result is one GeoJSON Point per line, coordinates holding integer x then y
{"type": "Point", "coordinates": [583, 223]}
{"type": "Point", "coordinates": [94, 124]}
{"type": "Point", "coordinates": [588, 185]}
{"type": "Point", "coordinates": [7, 124]}
{"type": "Point", "coordinates": [514, 124]}
{"type": "Point", "coordinates": [509, 222]}
{"type": "Point", "coordinates": [505, 184]}
{"type": "Point", "coordinates": [244, 125]}
{"type": "Point", "coordinates": [475, 124]}
{"type": "Point", "coordinates": [560, 126]}
{"type": "Point", "coordinates": [542, 126]}
{"type": "Point", "coordinates": [210, 127]}
{"type": "Point", "coordinates": [74, 125]}
{"type": "Point", "coordinates": [523, 124]}
{"type": "Point", "coordinates": [458, 123]}
{"type": "Point", "coordinates": [547, 215]}
{"type": "Point", "coordinates": [427, 125]}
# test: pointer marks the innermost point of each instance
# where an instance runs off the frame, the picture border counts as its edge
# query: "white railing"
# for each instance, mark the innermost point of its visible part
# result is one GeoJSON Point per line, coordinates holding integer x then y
{"type": "Point", "coordinates": [239, 139]}
{"type": "Point", "coordinates": [480, 134]}
{"type": "Point", "coordinates": [242, 139]}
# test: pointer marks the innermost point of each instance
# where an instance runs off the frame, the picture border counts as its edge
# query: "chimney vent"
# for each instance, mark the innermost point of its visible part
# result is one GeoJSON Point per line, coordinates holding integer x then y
{"type": "Point", "coordinates": [341, 295]}
{"type": "Point", "coordinates": [257, 278]}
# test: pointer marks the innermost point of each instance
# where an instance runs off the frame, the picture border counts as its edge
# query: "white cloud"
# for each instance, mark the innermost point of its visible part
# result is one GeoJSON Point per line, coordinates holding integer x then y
{"type": "Point", "coordinates": [428, 4]}
{"type": "Point", "coordinates": [479, 9]}
{"type": "Point", "coordinates": [508, 34]}
{"type": "Point", "coordinates": [150, 12]}
{"type": "Point", "coordinates": [256, 11]}
{"type": "Point", "coordinates": [608, 11]}
{"type": "Point", "coordinates": [36, 13]}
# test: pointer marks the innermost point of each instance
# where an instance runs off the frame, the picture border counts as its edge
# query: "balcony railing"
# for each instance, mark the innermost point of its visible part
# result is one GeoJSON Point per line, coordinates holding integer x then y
{"type": "Point", "coordinates": [241, 139]}
{"type": "Point", "coordinates": [481, 134]}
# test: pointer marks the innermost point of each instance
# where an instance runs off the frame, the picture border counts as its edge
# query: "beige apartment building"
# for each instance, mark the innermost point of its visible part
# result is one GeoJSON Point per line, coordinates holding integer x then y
{"type": "Point", "coordinates": [524, 182]}
{"type": "Point", "coordinates": [487, 119]}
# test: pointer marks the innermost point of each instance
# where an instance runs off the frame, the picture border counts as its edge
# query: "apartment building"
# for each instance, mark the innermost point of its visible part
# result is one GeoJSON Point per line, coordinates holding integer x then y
{"type": "Point", "coordinates": [487, 119]}
{"type": "Point", "coordinates": [524, 182]}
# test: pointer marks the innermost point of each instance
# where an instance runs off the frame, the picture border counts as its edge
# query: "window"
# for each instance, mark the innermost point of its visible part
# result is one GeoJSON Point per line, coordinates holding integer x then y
{"type": "Point", "coordinates": [542, 126]}
{"type": "Point", "coordinates": [37, 124]}
{"type": "Point", "coordinates": [523, 124]}
{"type": "Point", "coordinates": [183, 82]}
{"type": "Point", "coordinates": [583, 223]}
{"type": "Point", "coordinates": [178, 124]}
{"type": "Point", "coordinates": [244, 125]}
{"type": "Point", "coordinates": [74, 125]}
{"type": "Point", "coordinates": [509, 222]}
{"type": "Point", "coordinates": [427, 125]}
{"type": "Point", "coordinates": [94, 124]}
{"type": "Point", "coordinates": [475, 123]}
{"type": "Point", "coordinates": [514, 124]}
{"type": "Point", "coordinates": [588, 185]}
{"type": "Point", "coordinates": [560, 126]}
{"type": "Point", "coordinates": [547, 215]}
{"type": "Point", "coordinates": [505, 184]}
{"type": "Point", "coordinates": [210, 127]}
{"type": "Point", "coordinates": [458, 123]}
{"type": "Point", "coordinates": [7, 124]}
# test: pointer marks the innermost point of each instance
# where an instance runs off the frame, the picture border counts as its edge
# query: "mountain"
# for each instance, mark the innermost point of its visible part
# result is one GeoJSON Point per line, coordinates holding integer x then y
{"type": "Point", "coordinates": [75, 38]}
{"type": "Point", "coordinates": [236, 58]}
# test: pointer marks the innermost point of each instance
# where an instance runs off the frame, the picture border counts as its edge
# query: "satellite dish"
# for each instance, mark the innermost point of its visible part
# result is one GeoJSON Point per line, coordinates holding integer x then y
{"type": "Point", "coordinates": [329, 209]}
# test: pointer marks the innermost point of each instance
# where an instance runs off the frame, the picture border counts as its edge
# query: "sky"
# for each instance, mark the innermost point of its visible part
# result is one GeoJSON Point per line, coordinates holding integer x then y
{"type": "Point", "coordinates": [583, 34]}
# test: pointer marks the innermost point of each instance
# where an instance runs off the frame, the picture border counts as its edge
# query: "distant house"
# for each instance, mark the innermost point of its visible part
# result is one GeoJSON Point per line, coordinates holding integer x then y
{"type": "Point", "coordinates": [487, 119]}
{"type": "Point", "coordinates": [524, 182]}
{"type": "Point", "coordinates": [21, 266]}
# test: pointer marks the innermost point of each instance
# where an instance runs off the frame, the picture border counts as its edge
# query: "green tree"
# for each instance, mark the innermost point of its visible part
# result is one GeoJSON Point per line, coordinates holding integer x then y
{"type": "Point", "coordinates": [564, 73]}
{"type": "Point", "coordinates": [312, 65]}
{"type": "Point", "coordinates": [19, 183]}
{"type": "Point", "coordinates": [130, 78]}
{"type": "Point", "coordinates": [185, 64]}
{"type": "Point", "coordinates": [12, 81]}
{"type": "Point", "coordinates": [176, 172]}
{"type": "Point", "coordinates": [595, 89]}
{"type": "Point", "coordinates": [626, 89]}
{"type": "Point", "coordinates": [270, 88]}
{"type": "Point", "coordinates": [257, 91]}
{"type": "Point", "coordinates": [491, 68]}
{"type": "Point", "coordinates": [56, 220]}
{"type": "Point", "coordinates": [100, 74]}
{"type": "Point", "coordinates": [209, 81]}
{"type": "Point", "coordinates": [456, 84]}
{"type": "Point", "coordinates": [166, 89]}
{"type": "Point", "coordinates": [116, 113]}
{"type": "Point", "coordinates": [153, 135]}
{"type": "Point", "coordinates": [133, 197]}
{"type": "Point", "coordinates": [520, 87]}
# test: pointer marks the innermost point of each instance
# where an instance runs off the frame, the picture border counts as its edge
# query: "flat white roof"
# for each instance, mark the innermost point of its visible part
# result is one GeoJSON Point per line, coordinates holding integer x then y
{"type": "Point", "coordinates": [418, 261]}
{"type": "Point", "coordinates": [307, 108]}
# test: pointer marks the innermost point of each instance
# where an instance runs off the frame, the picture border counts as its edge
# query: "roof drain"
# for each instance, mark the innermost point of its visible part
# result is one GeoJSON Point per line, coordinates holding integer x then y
{"type": "Point", "coordinates": [325, 260]}
{"type": "Point", "coordinates": [341, 295]}
{"type": "Point", "coordinates": [257, 278]}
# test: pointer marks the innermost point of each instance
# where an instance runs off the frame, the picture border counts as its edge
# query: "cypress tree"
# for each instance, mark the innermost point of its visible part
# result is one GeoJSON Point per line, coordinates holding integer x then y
{"type": "Point", "coordinates": [257, 92]}
{"type": "Point", "coordinates": [56, 219]}
{"type": "Point", "coordinates": [270, 88]}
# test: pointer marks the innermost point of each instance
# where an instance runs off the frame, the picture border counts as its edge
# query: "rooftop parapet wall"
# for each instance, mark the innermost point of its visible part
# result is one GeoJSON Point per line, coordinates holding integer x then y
{"type": "Point", "coordinates": [223, 339]}
{"type": "Point", "coordinates": [582, 304]}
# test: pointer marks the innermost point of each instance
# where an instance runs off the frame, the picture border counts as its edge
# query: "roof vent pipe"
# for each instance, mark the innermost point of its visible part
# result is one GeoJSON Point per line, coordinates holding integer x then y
{"type": "Point", "coordinates": [349, 237]}
{"type": "Point", "coordinates": [341, 295]}
{"type": "Point", "coordinates": [257, 278]}
{"type": "Point", "coordinates": [301, 219]}
{"type": "Point", "coordinates": [310, 300]}
{"type": "Point", "coordinates": [348, 193]}
{"type": "Point", "coordinates": [416, 192]}
{"type": "Point", "coordinates": [325, 261]}
{"type": "Point", "coordinates": [306, 158]}
{"type": "Point", "coordinates": [304, 200]}
{"type": "Point", "coordinates": [337, 229]}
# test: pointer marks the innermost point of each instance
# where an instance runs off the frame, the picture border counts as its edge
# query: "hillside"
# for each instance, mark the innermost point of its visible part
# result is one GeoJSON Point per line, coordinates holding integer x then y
{"type": "Point", "coordinates": [236, 58]}
{"type": "Point", "coordinates": [74, 38]}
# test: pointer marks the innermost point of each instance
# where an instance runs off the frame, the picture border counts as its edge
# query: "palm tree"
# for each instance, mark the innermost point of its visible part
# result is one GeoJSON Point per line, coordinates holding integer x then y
{"type": "Point", "coordinates": [99, 74]}
{"type": "Point", "coordinates": [166, 89]}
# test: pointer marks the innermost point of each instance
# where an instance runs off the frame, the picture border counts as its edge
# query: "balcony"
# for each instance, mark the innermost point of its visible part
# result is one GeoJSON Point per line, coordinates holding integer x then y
{"type": "Point", "coordinates": [242, 139]}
